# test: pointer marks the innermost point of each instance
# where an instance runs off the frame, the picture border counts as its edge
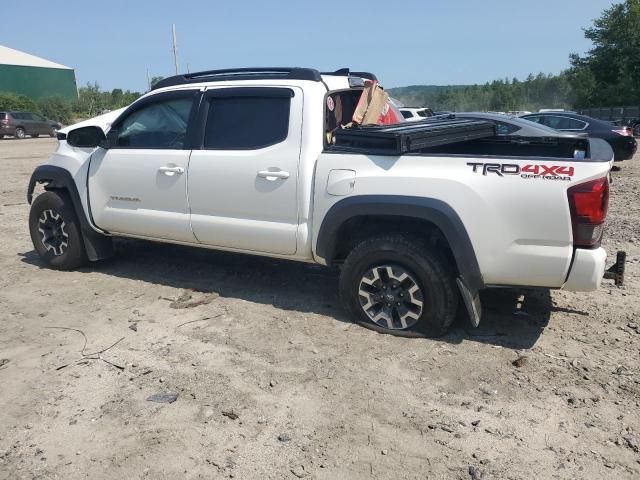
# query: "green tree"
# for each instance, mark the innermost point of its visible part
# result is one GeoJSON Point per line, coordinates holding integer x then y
{"type": "Point", "coordinates": [11, 101]}
{"type": "Point", "coordinates": [609, 74]}
{"type": "Point", "coordinates": [93, 101]}
{"type": "Point", "coordinates": [56, 108]}
{"type": "Point", "coordinates": [90, 101]}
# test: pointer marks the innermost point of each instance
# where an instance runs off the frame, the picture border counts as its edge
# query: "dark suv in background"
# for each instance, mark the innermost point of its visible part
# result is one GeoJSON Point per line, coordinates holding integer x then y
{"type": "Point", "coordinates": [21, 124]}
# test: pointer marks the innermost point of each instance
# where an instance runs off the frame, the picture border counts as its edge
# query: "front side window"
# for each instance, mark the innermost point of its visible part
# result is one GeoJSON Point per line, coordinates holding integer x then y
{"type": "Point", "coordinates": [406, 113]}
{"type": "Point", "coordinates": [162, 125]}
{"type": "Point", "coordinates": [246, 122]}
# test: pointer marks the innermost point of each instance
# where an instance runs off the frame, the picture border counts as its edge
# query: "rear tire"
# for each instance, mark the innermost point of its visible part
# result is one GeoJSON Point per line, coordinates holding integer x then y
{"type": "Point", "coordinates": [55, 231]}
{"type": "Point", "coordinates": [19, 134]}
{"type": "Point", "coordinates": [397, 284]}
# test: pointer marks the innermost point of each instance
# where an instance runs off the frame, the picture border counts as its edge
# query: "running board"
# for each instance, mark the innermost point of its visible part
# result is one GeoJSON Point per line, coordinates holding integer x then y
{"type": "Point", "coordinates": [472, 302]}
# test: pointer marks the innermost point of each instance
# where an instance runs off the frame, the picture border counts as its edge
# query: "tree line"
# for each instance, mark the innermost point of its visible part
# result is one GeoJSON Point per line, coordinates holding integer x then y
{"type": "Point", "coordinates": [531, 94]}
{"type": "Point", "coordinates": [91, 102]}
{"type": "Point", "coordinates": [607, 75]}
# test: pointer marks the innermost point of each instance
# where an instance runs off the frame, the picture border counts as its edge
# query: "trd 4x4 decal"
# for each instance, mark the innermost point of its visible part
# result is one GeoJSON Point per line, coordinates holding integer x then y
{"type": "Point", "coordinates": [547, 172]}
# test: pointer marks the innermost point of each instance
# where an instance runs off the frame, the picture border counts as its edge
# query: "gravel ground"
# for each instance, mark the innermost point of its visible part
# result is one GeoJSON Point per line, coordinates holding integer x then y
{"type": "Point", "coordinates": [273, 381]}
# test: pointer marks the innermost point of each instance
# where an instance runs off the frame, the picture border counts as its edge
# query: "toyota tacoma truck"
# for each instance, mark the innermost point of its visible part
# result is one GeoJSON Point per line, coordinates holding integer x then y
{"type": "Point", "coordinates": [282, 162]}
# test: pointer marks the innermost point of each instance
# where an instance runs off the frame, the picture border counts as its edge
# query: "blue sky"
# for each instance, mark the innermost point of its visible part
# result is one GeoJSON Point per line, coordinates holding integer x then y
{"type": "Point", "coordinates": [403, 42]}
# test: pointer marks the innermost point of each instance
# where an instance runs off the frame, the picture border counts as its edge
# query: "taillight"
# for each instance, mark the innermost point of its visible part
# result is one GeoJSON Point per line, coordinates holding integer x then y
{"type": "Point", "coordinates": [625, 131]}
{"type": "Point", "coordinates": [4, 121]}
{"type": "Point", "coordinates": [588, 203]}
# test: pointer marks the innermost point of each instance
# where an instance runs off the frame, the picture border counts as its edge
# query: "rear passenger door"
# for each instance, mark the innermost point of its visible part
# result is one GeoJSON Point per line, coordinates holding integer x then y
{"type": "Point", "coordinates": [31, 125]}
{"type": "Point", "coordinates": [242, 181]}
{"type": "Point", "coordinates": [23, 120]}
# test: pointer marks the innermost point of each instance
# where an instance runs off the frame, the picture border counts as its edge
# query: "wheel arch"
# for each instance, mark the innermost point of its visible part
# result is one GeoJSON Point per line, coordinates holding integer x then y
{"type": "Point", "coordinates": [97, 246]}
{"type": "Point", "coordinates": [400, 212]}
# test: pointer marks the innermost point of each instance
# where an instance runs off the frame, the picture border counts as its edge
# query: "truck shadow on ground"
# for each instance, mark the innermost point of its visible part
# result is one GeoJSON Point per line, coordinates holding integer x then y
{"type": "Point", "coordinates": [512, 318]}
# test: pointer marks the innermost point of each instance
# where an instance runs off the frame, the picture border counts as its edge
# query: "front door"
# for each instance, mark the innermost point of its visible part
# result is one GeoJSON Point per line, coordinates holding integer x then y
{"type": "Point", "coordinates": [243, 181]}
{"type": "Point", "coordinates": [29, 123]}
{"type": "Point", "coordinates": [138, 186]}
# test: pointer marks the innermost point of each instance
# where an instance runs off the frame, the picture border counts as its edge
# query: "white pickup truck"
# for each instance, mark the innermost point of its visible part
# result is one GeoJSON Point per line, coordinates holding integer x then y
{"type": "Point", "coordinates": [419, 216]}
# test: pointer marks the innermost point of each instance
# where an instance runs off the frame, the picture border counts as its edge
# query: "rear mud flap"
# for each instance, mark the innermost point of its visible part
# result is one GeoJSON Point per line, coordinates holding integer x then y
{"type": "Point", "coordinates": [472, 302]}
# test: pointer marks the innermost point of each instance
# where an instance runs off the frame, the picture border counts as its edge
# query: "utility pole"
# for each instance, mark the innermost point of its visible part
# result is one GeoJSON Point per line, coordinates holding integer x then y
{"type": "Point", "coordinates": [148, 80]}
{"type": "Point", "coordinates": [175, 47]}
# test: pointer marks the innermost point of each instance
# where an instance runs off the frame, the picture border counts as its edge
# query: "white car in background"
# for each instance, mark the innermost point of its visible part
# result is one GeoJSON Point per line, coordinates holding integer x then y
{"type": "Point", "coordinates": [413, 114]}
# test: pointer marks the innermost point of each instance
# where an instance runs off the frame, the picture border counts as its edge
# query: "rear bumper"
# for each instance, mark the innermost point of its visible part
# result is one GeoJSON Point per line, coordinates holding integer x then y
{"type": "Point", "coordinates": [7, 130]}
{"type": "Point", "coordinates": [587, 270]}
{"type": "Point", "coordinates": [625, 148]}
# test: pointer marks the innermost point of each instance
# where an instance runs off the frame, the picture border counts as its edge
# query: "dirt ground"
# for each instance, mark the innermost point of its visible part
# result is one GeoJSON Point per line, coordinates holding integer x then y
{"type": "Point", "coordinates": [274, 382]}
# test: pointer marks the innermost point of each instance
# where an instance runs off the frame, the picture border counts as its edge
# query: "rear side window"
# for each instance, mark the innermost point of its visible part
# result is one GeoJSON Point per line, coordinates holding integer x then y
{"type": "Point", "coordinates": [505, 128]}
{"type": "Point", "coordinates": [162, 125]}
{"type": "Point", "coordinates": [564, 123]}
{"type": "Point", "coordinates": [246, 122]}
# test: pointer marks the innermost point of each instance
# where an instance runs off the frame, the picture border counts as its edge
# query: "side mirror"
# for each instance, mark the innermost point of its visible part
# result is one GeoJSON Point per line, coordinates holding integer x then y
{"type": "Point", "coordinates": [86, 137]}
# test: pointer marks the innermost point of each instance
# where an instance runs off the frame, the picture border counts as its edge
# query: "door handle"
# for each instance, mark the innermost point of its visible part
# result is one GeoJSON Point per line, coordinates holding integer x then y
{"type": "Point", "coordinates": [170, 171]}
{"type": "Point", "coordinates": [273, 175]}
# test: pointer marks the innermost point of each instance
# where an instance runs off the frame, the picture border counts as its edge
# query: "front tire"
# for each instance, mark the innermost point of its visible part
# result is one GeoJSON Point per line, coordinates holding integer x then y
{"type": "Point", "coordinates": [55, 231]}
{"type": "Point", "coordinates": [398, 284]}
{"type": "Point", "coordinates": [35, 135]}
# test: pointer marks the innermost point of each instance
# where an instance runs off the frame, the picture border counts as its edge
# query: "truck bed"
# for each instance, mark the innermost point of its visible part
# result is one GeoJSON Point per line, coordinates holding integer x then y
{"type": "Point", "coordinates": [408, 137]}
{"type": "Point", "coordinates": [460, 136]}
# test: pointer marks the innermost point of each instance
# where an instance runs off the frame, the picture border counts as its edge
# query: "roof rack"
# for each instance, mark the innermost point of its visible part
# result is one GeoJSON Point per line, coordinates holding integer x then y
{"type": "Point", "coordinates": [262, 73]}
{"type": "Point", "coordinates": [345, 72]}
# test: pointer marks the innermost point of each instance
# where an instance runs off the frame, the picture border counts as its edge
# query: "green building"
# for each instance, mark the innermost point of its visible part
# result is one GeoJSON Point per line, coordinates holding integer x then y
{"type": "Point", "coordinates": [35, 77]}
